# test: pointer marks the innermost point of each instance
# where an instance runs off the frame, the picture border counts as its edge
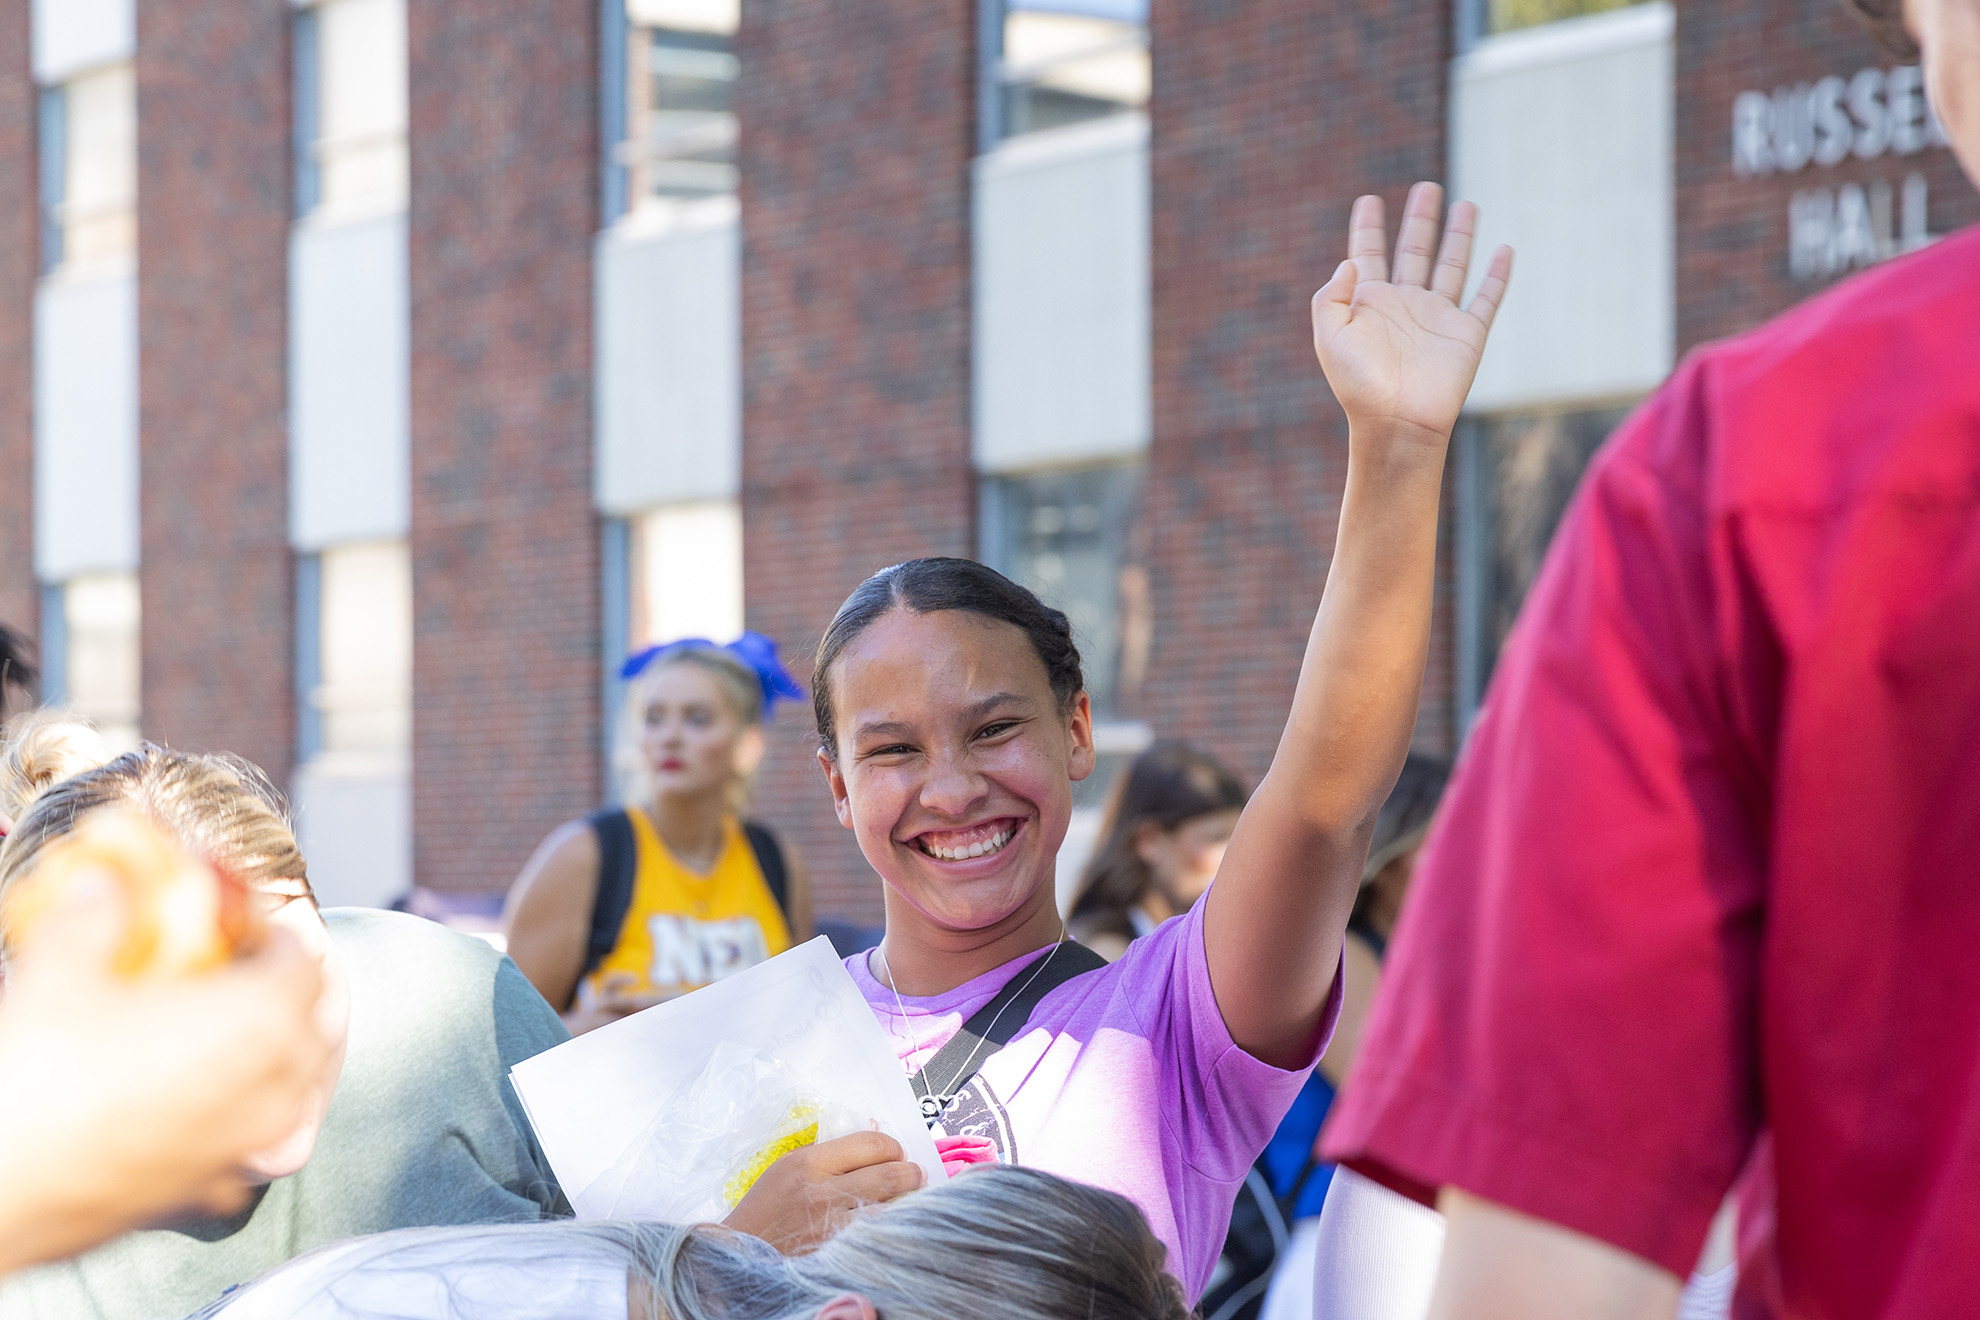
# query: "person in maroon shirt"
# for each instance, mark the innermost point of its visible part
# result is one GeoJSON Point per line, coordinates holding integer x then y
{"type": "Point", "coordinates": [1749, 677]}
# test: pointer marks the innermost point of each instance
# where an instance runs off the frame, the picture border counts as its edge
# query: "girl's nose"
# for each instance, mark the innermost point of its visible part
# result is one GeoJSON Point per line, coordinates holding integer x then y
{"type": "Point", "coordinates": [952, 788]}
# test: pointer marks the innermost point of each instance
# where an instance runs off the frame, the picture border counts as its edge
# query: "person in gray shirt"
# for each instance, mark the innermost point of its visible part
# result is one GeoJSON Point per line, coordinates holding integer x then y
{"type": "Point", "coordinates": [422, 1127]}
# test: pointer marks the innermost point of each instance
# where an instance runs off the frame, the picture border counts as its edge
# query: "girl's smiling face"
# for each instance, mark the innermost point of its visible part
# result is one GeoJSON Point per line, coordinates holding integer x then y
{"type": "Point", "coordinates": [956, 764]}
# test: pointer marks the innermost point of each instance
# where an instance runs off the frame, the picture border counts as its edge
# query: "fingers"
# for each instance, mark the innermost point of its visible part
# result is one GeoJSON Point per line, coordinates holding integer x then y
{"type": "Point", "coordinates": [1368, 239]}
{"type": "Point", "coordinates": [1418, 237]}
{"type": "Point", "coordinates": [1492, 289]}
{"type": "Point", "coordinates": [880, 1182]}
{"type": "Point", "coordinates": [843, 1155]}
{"type": "Point", "coordinates": [1454, 259]}
{"type": "Point", "coordinates": [1334, 303]}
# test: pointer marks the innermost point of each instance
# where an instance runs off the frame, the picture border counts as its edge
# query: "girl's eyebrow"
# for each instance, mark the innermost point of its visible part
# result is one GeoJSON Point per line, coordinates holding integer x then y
{"type": "Point", "coordinates": [976, 710]}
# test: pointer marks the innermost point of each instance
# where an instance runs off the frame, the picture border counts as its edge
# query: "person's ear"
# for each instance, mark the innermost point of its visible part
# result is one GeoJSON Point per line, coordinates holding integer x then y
{"type": "Point", "coordinates": [848, 1306]}
{"type": "Point", "coordinates": [1079, 727]}
{"type": "Point", "coordinates": [750, 745]}
{"type": "Point", "coordinates": [837, 781]}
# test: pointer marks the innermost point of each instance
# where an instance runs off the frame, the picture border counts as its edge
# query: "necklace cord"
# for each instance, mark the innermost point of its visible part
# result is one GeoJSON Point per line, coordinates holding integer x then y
{"type": "Point", "coordinates": [914, 1075]}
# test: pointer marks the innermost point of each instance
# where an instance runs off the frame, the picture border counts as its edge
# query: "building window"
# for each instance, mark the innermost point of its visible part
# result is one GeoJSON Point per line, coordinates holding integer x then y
{"type": "Point", "coordinates": [1491, 17]}
{"type": "Point", "coordinates": [355, 648]}
{"type": "Point", "coordinates": [1516, 474]}
{"type": "Point", "coordinates": [1059, 62]}
{"type": "Point", "coordinates": [680, 121]}
{"type": "Point", "coordinates": [89, 169]}
{"type": "Point", "coordinates": [99, 652]}
{"type": "Point", "coordinates": [350, 108]}
{"type": "Point", "coordinates": [1073, 536]}
{"type": "Point", "coordinates": [686, 574]}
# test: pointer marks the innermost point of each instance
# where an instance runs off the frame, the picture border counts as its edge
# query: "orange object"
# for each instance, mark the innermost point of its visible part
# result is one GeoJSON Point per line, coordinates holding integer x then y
{"type": "Point", "coordinates": [183, 915]}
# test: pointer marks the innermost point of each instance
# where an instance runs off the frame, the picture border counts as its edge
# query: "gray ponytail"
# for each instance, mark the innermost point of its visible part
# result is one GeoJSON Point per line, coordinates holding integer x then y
{"type": "Point", "coordinates": [994, 1244]}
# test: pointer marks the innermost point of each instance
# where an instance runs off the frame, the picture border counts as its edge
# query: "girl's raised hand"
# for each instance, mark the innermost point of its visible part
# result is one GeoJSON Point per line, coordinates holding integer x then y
{"type": "Point", "coordinates": [1398, 350]}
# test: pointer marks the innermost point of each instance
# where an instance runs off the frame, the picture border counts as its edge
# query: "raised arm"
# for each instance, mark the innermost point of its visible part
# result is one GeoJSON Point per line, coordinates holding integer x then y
{"type": "Point", "coordinates": [1400, 354]}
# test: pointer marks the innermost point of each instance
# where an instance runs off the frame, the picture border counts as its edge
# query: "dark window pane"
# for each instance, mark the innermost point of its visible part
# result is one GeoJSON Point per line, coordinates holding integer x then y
{"type": "Point", "coordinates": [1529, 465]}
{"type": "Point", "coordinates": [1071, 537]}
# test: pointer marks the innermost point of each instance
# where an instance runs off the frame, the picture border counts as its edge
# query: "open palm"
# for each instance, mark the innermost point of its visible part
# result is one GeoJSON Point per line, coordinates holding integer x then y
{"type": "Point", "coordinates": [1397, 348]}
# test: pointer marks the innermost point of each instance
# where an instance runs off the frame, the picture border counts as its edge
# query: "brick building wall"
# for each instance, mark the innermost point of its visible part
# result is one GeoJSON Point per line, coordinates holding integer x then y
{"type": "Point", "coordinates": [1268, 119]}
{"type": "Point", "coordinates": [1734, 259]}
{"type": "Point", "coordinates": [858, 127]}
{"type": "Point", "coordinates": [19, 608]}
{"type": "Point", "coordinates": [504, 542]}
{"type": "Point", "coordinates": [213, 179]}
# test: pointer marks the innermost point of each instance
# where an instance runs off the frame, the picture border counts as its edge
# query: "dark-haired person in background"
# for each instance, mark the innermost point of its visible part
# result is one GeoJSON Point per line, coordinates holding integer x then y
{"type": "Point", "coordinates": [953, 722]}
{"type": "Point", "coordinates": [1711, 865]}
{"type": "Point", "coordinates": [1166, 825]}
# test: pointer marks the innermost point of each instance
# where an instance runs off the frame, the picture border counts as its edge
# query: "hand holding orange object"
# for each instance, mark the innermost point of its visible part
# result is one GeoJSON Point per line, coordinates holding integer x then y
{"type": "Point", "coordinates": [129, 1098]}
{"type": "Point", "coordinates": [181, 915]}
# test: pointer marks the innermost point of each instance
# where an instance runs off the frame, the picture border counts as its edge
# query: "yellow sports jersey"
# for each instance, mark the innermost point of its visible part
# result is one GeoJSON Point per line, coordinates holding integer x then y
{"type": "Point", "coordinates": [684, 930]}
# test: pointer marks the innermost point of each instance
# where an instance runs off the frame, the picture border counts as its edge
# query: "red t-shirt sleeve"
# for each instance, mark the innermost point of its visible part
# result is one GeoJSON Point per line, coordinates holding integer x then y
{"type": "Point", "coordinates": [1567, 1021]}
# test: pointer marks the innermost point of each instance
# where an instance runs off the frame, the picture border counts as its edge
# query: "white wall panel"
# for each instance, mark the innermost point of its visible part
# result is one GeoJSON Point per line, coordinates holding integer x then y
{"type": "Point", "coordinates": [70, 36]}
{"type": "Point", "coordinates": [668, 373]}
{"type": "Point", "coordinates": [354, 825]}
{"type": "Point", "coordinates": [350, 465]}
{"type": "Point", "coordinates": [1563, 136]}
{"type": "Point", "coordinates": [85, 427]}
{"type": "Point", "coordinates": [1062, 296]}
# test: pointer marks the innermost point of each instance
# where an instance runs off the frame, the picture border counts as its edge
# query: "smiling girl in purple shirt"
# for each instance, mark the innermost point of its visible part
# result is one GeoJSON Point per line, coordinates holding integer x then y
{"type": "Point", "coordinates": [953, 724]}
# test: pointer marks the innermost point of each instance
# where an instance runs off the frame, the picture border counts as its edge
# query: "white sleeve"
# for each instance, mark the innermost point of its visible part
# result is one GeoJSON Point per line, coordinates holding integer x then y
{"type": "Point", "coordinates": [1377, 1254]}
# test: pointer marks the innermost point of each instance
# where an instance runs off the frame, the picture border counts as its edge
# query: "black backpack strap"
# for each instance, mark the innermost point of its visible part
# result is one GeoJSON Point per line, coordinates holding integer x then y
{"type": "Point", "coordinates": [994, 1025]}
{"type": "Point", "coordinates": [770, 861]}
{"type": "Point", "coordinates": [618, 860]}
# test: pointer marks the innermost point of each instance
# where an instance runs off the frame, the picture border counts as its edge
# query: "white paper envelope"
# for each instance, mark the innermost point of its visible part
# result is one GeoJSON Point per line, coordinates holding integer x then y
{"type": "Point", "coordinates": [591, 1098]}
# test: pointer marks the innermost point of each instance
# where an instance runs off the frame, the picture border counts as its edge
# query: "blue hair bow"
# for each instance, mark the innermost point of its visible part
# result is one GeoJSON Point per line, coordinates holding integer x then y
{"type": "Point", "coordinates": [753, 650]}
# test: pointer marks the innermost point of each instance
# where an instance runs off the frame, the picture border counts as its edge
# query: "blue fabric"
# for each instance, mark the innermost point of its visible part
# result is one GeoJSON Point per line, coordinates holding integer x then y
{"type": "Point", "coordinates": [757, 653]}
{"type": "Point", "coordinates": [1292, 1145]}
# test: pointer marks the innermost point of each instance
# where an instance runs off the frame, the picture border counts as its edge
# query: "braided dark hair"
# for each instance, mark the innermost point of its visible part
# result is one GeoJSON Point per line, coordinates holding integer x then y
{"type": "Point", "coordinates": [1885, 19]}
{"type": "Point", "coordinates": [928, 585]}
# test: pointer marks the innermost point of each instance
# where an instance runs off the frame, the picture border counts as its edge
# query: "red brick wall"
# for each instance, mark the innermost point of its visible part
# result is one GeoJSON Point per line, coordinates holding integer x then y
{"type": "Point", "coordinates": [1269, 118]}
{"type": "Point", "coordinates": [504, 541]}
{"type": "Point", "coordinates": [213, 183]}
{"type": "Point", "coordinates": [1733, 231]}
{"type": "Point", "coordinates": [19, 195]}
{"type": "Point", "coordinates": [858, 126]}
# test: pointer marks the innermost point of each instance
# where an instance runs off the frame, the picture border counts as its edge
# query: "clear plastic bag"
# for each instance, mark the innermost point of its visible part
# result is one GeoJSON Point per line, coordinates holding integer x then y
{"type": "Point", "coordinates": [710, 1142]}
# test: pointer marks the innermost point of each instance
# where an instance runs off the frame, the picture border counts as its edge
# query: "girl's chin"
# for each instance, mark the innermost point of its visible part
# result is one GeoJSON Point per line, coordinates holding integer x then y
{"type": "Point", "coordinates": [971, 904]}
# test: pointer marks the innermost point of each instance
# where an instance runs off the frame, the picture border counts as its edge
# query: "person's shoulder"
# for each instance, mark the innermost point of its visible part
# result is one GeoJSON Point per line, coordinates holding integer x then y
{"type": "Point", "coordinates": [422, 965]}
{"type": "Point", "coordinates": [1847, 395]}
{"type": "Point", "coordinates": [400, 940]}
{"type": "Point", "coordinates": [426, 978]}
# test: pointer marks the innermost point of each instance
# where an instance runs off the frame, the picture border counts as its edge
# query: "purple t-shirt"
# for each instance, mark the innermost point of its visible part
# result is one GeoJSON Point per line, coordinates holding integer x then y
{"type": "Point", "coordinates": [1124, 1078]}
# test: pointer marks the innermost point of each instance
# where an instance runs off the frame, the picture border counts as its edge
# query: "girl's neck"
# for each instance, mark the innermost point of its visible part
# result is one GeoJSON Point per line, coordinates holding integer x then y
{"type": "Point", "coordinates": [692, 827]}
{"type": "Point", "coordinates": [920, 958]}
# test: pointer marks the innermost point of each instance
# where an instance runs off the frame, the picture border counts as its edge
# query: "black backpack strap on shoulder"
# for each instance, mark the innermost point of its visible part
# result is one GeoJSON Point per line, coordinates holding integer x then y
{"type": "Point", "coordinates": [994, 1025]}
{"type": "Point", "coordinates": [618, 860]}
{"type": "Point", "coordinates": [770, 861]}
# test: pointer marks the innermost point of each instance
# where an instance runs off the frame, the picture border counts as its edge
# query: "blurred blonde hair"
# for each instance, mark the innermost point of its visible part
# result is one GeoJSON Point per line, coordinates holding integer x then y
{"type": "Point", "coordinates": [55, 767]}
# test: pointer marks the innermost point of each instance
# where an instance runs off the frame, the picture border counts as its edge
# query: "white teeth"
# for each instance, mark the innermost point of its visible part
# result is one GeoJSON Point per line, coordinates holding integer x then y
{"type": "Point", "coordinates": [983, 849]}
